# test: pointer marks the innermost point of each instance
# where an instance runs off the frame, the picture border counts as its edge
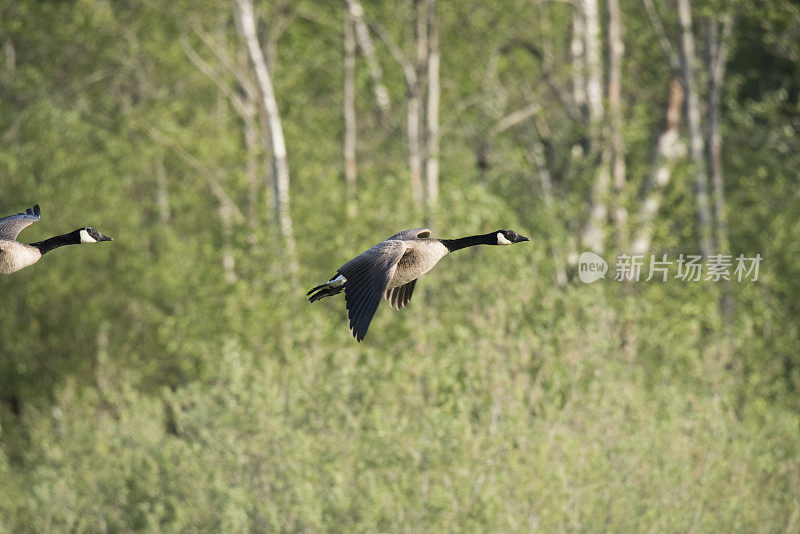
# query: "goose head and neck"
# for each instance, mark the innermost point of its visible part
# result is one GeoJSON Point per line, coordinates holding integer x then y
{"type": "Point", "coordinates": [76, 237]}
{"type": "Point", "coordinates": [499, 237]}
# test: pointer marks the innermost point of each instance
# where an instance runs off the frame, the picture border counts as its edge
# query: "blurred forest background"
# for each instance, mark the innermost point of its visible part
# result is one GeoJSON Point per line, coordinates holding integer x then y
{"type": "Point", "coordinates": [240, 151]}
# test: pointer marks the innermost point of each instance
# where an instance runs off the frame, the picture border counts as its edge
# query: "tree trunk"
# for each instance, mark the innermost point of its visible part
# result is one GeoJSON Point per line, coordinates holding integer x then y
{"type": "Point", "coordinates": [578, 62]}
{"type": "Point", "coordinates": [10, 57]}
{"type": "Point", "coordinates": [350, 169]}
{"type": "Point", "coordinates": [593, 236]}
{"type": "Point", "coordinates": [277, 143]}
{"type": "Point", "coordinates": [594, 69]}
{"type": "Point", "coordinates": [414, 144]}
{"type": "Point", "coordinates": [251, 167]}
{"type": "Point", "coordinates": [356, 11]}
{"type": "Point", "coordinates": [421, 35]}
{"type": "Point", "coordinates": [696, 150]}
{"type": "Point", "coordinates": [432, 115]}
{"type": "Point", "coordinates": [415, 74]}
{"type": "Point", "coordinates": [718, 53]}
{"type": "Point", "coordinates": [615, 51]}
{"type": "Point", "coordinates": [249, 114]}
{"type": "Point", "coordinates": [669, 150]}
{"type": "Point", "coordinates": [415, 94]}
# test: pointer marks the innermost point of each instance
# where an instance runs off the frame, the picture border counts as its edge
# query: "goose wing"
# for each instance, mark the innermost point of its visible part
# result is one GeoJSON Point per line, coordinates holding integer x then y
{"type": "Point", "coordinates": [399, 297]}
{"type": "Point", "coordinates": [11, 226]}
{"type": "Point", "coordinates": [414, 233]}
{"type": "Point", "coordinates": [367, 275]}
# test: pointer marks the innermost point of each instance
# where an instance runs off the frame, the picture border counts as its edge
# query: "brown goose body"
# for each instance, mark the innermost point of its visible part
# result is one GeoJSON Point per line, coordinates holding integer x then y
{"type": "Point", "coordinates": [390, 270]}
{"type": "Point", "coordinates": [15, 255]}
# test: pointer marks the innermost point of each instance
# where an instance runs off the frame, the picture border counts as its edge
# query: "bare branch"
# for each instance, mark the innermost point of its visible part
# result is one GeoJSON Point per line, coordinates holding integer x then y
{"type": "Point", "coordinates": [655, 20]}
{"type": "Point", "coordinates": [222, 55]}
{"type": "Point", "coordinates": [206, 69]}
{"type": "Point", "coordinates": [512, 119]}
{"type": "Point", "coordinates": [398, 55]}
{"type": "Point", "coordinates": [559, 92]}
{"type": "Point", "coordinates": [356, 11]}
{"type": "Point", "coordinates": [201, 168]}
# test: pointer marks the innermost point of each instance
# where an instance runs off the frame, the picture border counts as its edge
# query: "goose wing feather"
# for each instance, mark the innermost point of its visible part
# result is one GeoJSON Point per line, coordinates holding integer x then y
{"type": "Point", "coordinates": [414, 233]}
{"type": "Point", "coordinates": [368, 275]}
{"type": "Point", "coordinates": [399, 297]}
{"type": "Point", "coordinates": [11, 226]}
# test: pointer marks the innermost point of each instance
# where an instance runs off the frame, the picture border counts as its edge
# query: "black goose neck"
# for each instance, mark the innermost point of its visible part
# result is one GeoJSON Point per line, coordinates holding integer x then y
{"type": "Point", "coordinates": [469, 241]}
{"type": "Point", "coordinates": [72, 238]}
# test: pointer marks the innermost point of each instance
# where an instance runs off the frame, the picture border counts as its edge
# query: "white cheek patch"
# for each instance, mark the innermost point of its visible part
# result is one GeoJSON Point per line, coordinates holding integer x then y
{"type": "Point", "coordinates": [86, 238]}
{"type": "Point", "coordinates": [501, 239]}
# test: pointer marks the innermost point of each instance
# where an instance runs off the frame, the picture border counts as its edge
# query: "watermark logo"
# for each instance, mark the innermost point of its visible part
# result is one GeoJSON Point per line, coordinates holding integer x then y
{"type": "Point", "coordinates": [686, 267]}
{"type": "Point", "coordinates": [591, 267]}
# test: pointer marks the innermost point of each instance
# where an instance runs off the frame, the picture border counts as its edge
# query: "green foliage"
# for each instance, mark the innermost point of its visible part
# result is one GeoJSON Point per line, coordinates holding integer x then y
{"type": "Point", "coordinates": [140, 389]}
{"type": "Point", "coordinates": [510, 438]}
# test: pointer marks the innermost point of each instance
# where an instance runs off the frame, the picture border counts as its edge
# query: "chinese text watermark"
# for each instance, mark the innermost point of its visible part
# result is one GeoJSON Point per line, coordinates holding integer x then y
{"type": "Point", "coordinates": [661, 268]}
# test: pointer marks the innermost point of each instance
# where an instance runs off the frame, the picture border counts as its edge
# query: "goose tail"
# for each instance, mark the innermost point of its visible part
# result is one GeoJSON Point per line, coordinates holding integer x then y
{"type": "Point", "coordinates": [332, 287]}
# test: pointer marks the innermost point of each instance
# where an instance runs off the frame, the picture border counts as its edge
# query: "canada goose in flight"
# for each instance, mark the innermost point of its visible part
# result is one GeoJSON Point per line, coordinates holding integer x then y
{"type": "Point", "coordinates": [390, 270]}
{"type": "Point", "coordinates": [15, 255]}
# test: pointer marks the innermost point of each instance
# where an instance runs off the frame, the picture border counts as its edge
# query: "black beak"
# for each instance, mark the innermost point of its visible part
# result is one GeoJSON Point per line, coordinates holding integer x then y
{"type": "Point", "coordinates": [105, 237]}
{"type": "Point", "coordinates": [521, 238]}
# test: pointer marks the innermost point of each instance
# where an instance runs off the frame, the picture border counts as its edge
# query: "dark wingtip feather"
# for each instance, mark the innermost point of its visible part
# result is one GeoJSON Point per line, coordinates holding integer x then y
{"type": "Point", "coordinates": [324, 291]}
{"type": "Point", "coordinates": [33, 212]}
{"type": "Point", "coordinates": [315, 289]}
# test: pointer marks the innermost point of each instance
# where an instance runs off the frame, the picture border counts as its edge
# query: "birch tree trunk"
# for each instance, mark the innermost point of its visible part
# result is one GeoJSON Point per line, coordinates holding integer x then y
{"type": "Point", "coordinates": [251, 167]}
{"type": "Point", "coordinates": [414, 77]}
{"type": "Point", "coordinates": [350, 170]}
{"type": "Point", "coordinates": [593, 47]}
{"type": "Point", "coordinates": [356, 11]}
{"type": "Point", "coordinates": [594, 233]}
{"type": "Point", "coordinates": [688, 58]}
{"type": "Point", "coordinates": [593, 236]}
{"type": "Point", "coordinates": [718, 35]}
{"type": "Point", "coordinates": [249, 114]}
{"type": "Point", "coordinates": [413, 114]}
{"type": "Point", "coordinates": [432, 115]}
{"type": "Point", "coordinates": [669, 151]}
{"type": "Point", "coordinates": [578, 62]}
{"type": "Point", "coordinates": [415, 143]}
{"type": "Point", "coordinates": [416, 73]}
{"type": "Point", "coordinates": [718, 53]}
{"type": "Point", "coordinates": [269, 105]}
{"type": "Point", "coordinates": [615, 52]}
